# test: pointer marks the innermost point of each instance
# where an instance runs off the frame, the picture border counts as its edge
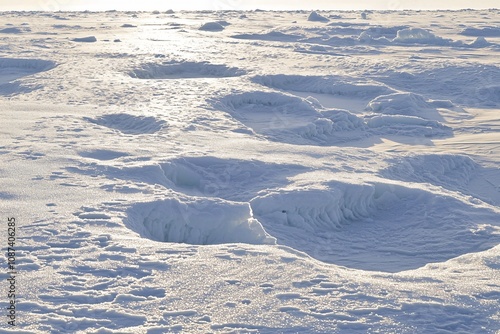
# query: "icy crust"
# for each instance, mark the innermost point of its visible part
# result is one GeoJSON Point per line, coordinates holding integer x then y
{"type": "Point", "coordinates": [184, 69]}
{"type": "Point", "coordinates": [291, 119]}
{"type": "Point", "coordinates": [334, 85]}
{"type": "Point", "coordinates": [197, 221]}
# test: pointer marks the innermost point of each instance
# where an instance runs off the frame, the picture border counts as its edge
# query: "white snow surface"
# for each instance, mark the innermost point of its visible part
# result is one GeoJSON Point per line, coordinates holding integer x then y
{"type": "Point", "coordinates": [251, 172]}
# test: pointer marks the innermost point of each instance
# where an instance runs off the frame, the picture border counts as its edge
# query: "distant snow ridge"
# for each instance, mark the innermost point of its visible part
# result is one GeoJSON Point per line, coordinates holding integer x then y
{"type": "Point", "coordinates": [331, 84]}
{"type": "Point", "coordinates": [315, 17]}
{"type": "Point", "coordinates": [481, 32]}
{"type": "Point", "coordinates": [291, 119]}
{"type": "Point", "coordinates": [410, 104]}
{"type": "Point", "coordinates": [184, 69]}
{"type": "Point", "coordinates": [129, 124]}
{"type": "Point", "coordinates": [14, 30]}
{"type": "Point", "coordinates": [88, 39]}
{"type": "Point", "coordinates": [271, 35]}
{"type": "Point", "coordinates": [197, 221]}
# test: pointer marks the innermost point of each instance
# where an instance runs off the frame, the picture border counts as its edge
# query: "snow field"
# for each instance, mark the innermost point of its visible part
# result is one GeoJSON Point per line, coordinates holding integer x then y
{"type": "Point", "coordinates": [279, 175]}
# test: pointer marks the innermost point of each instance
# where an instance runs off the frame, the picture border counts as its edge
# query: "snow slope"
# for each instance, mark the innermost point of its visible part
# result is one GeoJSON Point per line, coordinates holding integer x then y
{"type": "Point", "coordinates": [256, 172]}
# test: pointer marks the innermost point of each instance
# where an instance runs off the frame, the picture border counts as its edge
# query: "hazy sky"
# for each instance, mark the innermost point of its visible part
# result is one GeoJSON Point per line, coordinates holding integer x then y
{"type": "Point", "coordinates": [55, 5]}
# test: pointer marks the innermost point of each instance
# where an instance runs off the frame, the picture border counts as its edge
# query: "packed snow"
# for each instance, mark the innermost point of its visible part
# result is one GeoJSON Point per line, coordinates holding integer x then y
{"type": "Point", "coordinates": [251, 172]}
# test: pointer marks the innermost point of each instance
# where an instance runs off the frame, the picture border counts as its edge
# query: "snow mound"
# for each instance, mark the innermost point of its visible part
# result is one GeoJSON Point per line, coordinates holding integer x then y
{"type": "Point", "coordinates": [89, 39]}
{"type": "Point", "coordinates": [129, 124]}
{"type": "Point", "coordinates": [211, 26]}
{"type": "Point", "coordinates": [404, 104]}
{"type": "Point", "coordinates": [196, 221]}
{"type": "Point", "coordinates": [442, 170]}
{"type": "Point", "coordinates": [291, 119]}
{"type": "Point", "coordinates": [315, 17]}
{"type": "Point", "coordinates": [419, 36]}
{"type": "Point", "coordinates": [481, 32]}
{"type": "Point", "coordinates": [184, 69]}
{"type": "Point", "coordinates": [334, 85]}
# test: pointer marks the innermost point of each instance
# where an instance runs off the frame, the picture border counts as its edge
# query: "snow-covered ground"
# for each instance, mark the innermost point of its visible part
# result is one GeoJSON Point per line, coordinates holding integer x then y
{"type": "Point", "coordinates": [267, 172]}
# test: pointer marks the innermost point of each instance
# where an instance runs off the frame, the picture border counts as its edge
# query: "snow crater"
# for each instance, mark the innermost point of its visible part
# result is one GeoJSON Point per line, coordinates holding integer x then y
{"type": "Point", "coordinates": [184, 69]}
{"type": "Point", "coordinates": [197, 221]}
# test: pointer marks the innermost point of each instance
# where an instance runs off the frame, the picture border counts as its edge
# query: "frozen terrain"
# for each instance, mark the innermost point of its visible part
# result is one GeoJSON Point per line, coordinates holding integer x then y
{"type": "Point", "coordinates": [257, 172]}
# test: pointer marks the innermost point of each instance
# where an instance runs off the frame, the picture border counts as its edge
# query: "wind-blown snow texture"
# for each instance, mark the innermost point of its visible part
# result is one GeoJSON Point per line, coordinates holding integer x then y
{"type": "Point", "coordinates": [256, 172]}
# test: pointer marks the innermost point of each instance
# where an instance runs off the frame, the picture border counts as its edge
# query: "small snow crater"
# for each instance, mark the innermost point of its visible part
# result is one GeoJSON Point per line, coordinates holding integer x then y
{"type": "Point", "coordinates": [184, 69]}
{"type": "Point", "coordinates": [197, 221]}
{"type": "Point", "coordinates": [129, 124]}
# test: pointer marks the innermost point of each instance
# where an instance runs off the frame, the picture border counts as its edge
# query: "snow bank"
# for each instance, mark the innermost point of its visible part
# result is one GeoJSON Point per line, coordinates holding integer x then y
{"type": "Point", "coordinates": [331, 84]}
{"type": "Point", "coordinates": [315, 17]}
{"type": "Point", "coordinates": [404, 104]}
{"type": "Point", "coordinates": [89, 39]}
{"type": "Point", "coordinates": [129, 124]}
{"type": "Point", "coordinates": [197, 221]}
{"type": "Point", "coordinates": [211, 26]}
{"type": "Point", "coordinates": [184, 69]}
